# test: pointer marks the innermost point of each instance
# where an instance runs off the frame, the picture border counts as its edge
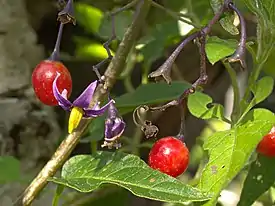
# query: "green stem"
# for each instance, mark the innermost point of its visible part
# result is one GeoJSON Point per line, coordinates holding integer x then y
{"type": "Point", "coordinates": [236, 104]}
{"type": "Point", "coordinates": [136, 141]}
{"type": "Point", "coordinates": [112, 73]}
{"type": "Point", "coordinates": [57, 195]}
{"type": "Point", "coordinates": [93, 147]}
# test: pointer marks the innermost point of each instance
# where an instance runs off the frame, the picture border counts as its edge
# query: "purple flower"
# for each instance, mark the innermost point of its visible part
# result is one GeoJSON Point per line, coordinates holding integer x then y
{"type": "Point", "coordinates": [80, 107]}
{"type": "Point", "coordinates": [114, 127]}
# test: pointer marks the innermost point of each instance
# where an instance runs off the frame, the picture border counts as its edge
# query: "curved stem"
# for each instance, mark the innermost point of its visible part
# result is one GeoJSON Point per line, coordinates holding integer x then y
{"type": "Point", "coordinates": [236, 102]}
{"type": "Point", "coordinates": [58, 192]}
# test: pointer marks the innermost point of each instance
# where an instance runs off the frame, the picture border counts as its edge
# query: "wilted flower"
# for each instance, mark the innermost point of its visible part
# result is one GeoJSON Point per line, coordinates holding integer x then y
{"type": "Point", "coordinates": [67, 14]}
{"type": "Point", "coordinates": [80, 107]}
{"type": "Point", "coordinates": [114, 127]}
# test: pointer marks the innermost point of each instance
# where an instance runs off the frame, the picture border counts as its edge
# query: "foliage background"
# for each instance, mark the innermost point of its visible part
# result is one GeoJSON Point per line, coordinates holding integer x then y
{"type": "Point", "coordinates": [37, 131]}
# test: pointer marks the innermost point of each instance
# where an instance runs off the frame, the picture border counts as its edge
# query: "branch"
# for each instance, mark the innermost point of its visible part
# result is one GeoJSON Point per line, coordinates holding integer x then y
{"type": "Point", "coordinates": [112, 73]}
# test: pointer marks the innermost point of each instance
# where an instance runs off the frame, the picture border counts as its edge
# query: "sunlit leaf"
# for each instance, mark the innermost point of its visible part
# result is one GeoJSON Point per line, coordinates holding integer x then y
{"type": "Point", "coordinates": [86, 173]}
{"type": "Point", "coordinates": [200, 105]}
{"type": "Point", "coordinates": [87, 49]}
{"type": "Point", "coordinates": [88, 16]}
{"type": "Point", "coordinates": [218, 49]}
{"type": "Point", "coordinates": [230, 150]}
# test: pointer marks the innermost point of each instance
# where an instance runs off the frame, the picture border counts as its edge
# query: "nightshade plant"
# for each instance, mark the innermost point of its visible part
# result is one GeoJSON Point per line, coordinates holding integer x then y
{"type": "Point", "coordinates": [230, 153]}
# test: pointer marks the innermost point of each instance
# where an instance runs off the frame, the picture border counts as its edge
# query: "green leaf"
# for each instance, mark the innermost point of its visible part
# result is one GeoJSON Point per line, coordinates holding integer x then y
{"type": "Point", "coordinates": [151, 93]}
{"type": "Point", "coordinates": [122, 22]}
{"type": "Point", "coordinates": [87, 49]}
{"type": "Point", "coordinates": [259, 179]}
{"type": "Point", "coordinates": [88, 16]}
{"type": "Point", "coordinates": [95, 130]}
{"type": "Point", "coordinates": [200, 105]}
{"type": "Point", "coordinates": [217, 49]}
{"type": "Point", "coordinates": [158, 37]}
{"type": "Point", "coordinates": [261, 90]}
{"type": "Point", "coordinates": [228, 19]}
{"type": "Point", "coordinates": [86, 173]}
{"type": "Point", "coordinates": [10, 169]}
{"type": "Point", "coordinates": [230, 150]}
{"type": "Point", "coordinates": [265, 13]}
{"type": "Point", "coordinates": [114, 196]}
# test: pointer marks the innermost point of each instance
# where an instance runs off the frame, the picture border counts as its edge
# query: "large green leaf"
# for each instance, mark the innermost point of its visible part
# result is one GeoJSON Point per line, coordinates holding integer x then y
{"type": "Point", "coordinates": [200, 105]}
{"type": "Point", "coordinates": [10, 169]}
{"type": "Point", "coordinates": [265, 12]}
{"type": "Point", "coordinates": [152, 93]}
{"type": "Point", "coordinates": [227, 20]}
{"type": "Point", "coordinates": [259, 179]}
{"type": "Point", "coordinates": [230, 150]}
{"type": "Point", "coordinates": [86, 173]}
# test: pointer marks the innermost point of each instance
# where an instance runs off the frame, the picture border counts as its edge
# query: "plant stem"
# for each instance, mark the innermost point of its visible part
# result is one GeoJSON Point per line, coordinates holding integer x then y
{"type": "Point", "coordinates": [138, 135]}
{"type": "Point", "coordinates": [236, 102]}
{"type": "Point", "coordinates": [112, 73]}
{"type": "Point", "coordinates": [58, 192]}
{"type": "Point", "coordinates": [93, 147]}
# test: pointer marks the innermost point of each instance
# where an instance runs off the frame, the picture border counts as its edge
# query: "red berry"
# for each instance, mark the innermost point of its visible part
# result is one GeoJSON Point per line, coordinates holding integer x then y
{"type": "Point", "coordinates": [267, 145]}
{"type": "Point", "coordinates": [169, 155]}
{"type": "Point", "coordinates": [43, 77]}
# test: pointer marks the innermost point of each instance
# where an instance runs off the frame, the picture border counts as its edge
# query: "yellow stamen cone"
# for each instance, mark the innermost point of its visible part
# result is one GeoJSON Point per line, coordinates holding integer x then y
{"type": "Point", "coordinates": [74, 119]}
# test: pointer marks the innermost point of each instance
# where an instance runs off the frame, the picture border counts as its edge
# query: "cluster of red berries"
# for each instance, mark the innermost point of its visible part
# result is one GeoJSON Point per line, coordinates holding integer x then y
{"type": "Point", "coordinates": [42, 80]}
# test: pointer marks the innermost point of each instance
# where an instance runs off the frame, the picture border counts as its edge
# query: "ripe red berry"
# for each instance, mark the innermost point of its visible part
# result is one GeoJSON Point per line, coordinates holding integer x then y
{"type": "Point", "coordinates": [43, 77]}
{"type": "Point", "coordinates": [267, 145]}
{"type": "Point", "coordinates": [169, 155]}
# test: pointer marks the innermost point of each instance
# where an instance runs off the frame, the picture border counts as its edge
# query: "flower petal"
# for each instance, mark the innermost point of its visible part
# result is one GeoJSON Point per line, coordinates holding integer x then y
{"type": "Point", "coordinates": [61, 98]}
{"type": "Point", "coordinates": [114, 128]}
{"type": "Point", "coordinates": [85, 98]}
{"type": "Point", "coordinates": [96, 112]}
{"type": "Point", "coordinates": [75, 117]}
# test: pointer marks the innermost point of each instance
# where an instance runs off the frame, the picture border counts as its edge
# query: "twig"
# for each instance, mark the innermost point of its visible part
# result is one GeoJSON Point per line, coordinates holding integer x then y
{"type": "Point", "coordinates": [112, 73]}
